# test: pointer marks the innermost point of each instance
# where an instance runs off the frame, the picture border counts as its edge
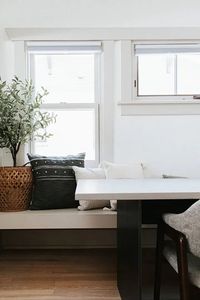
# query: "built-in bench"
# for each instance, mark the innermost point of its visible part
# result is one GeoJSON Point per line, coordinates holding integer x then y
{"type": "Point", "coordinates": [72, 218]}
{"type": "Point", "coordinates": [63, 219]}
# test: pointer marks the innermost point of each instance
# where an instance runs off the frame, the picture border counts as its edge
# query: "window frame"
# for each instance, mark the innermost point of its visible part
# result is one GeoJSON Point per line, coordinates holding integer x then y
{"type": "Point", "coordinates": [65, 106]}
{"type": "Point", "coordinates": [157, 98]}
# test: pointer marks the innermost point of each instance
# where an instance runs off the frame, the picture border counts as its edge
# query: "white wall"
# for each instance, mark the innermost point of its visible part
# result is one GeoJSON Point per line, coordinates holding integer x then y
{"type": "Point", "coordinates": [170, 139]}
{"type": "Point", "coordinates": [99, 13]}
{"type": "Point", "coordinates": [169, 144]}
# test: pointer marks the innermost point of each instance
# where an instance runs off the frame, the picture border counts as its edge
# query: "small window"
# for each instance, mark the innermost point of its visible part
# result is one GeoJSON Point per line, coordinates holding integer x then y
{"type": "Point", "coordinates": [70, 71]}
{"type": "Point", "coordinates": [167, 70]}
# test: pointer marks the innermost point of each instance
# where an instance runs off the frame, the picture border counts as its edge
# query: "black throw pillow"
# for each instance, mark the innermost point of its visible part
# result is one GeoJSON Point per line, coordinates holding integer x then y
{"type": "Point", "coordinates": [54, 181]}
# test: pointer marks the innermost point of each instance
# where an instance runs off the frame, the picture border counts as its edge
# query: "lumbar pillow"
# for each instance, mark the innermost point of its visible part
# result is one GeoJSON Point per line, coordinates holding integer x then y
{"type": "Point", "coordinates": [121, 171]}
{"type": "Point", "coordinates": [54, 181]}
{"type": "Point", "coordinates": [90, 173]}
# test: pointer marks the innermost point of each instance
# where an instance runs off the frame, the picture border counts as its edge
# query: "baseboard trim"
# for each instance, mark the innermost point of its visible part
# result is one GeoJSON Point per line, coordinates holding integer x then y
{"type": "Point", "coordinates": [50, 239]}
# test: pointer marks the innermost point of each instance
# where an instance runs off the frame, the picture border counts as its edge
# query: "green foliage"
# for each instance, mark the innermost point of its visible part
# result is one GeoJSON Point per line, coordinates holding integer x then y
{"type": "Point", "coordinates": [20, 114]}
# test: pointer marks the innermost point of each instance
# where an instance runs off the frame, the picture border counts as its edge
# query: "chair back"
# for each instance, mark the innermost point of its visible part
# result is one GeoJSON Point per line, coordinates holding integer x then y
{"type": "Point", "coordinates": [188, 223]}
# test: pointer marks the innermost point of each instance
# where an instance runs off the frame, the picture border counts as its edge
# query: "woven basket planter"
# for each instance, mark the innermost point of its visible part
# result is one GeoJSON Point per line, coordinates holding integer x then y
{"type": "Point", "coordinates": [15, 188]}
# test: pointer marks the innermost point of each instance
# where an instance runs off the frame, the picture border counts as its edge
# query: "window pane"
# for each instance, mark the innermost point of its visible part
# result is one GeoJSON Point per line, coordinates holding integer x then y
{"type": "Point", "coordinates": [155, 75]}
{"type": "Point", "coordinates": [73, 132]}
{"type": "Point", "coordinates": [188, 74]}
{"type": "Point", "coordinates": [67, 77]}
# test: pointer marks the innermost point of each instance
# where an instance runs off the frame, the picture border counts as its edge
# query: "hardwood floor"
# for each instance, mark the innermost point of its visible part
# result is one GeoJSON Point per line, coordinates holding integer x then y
{"type": "Point", "coordinates": [72, 275]}
{"type": "Point", "coordinates": [58, 275]}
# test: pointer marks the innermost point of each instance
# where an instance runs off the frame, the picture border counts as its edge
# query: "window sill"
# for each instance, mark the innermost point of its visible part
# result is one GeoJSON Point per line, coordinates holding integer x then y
{"type": "Point", "coordinates": [164, 107]}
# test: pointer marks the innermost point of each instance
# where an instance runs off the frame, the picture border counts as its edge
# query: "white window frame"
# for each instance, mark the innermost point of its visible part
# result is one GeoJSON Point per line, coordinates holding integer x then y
{"type": "Point", "coordinates": [157, 98]}
{"type": "Point", "coordinates": [73, 106]}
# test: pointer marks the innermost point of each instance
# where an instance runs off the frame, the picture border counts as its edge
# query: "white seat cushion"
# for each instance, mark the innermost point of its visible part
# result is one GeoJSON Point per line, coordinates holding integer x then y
{"type": "Point", "coordinates": [69, 218]}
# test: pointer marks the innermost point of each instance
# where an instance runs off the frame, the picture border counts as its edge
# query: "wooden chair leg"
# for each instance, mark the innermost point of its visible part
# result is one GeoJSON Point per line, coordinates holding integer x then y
{"type": "Point", "coordinates": [184, 284]}
{"type": "Point", "coordinates": [158, 262]}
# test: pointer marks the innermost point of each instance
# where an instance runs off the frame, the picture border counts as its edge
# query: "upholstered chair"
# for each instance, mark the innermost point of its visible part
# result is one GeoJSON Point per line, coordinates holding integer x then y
{"type": "Point", "coordinates": [181, 250]}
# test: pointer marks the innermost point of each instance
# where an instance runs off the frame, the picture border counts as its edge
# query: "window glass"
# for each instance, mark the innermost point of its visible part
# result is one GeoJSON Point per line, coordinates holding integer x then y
{"type": "Point", "coordinates": [156, 75]}
{"type": "Point", "coordinates": [68, 78]}
{"type": "Point", "coordinates": [167, 70]}
{"type": "Point", "coordinates": [188, 74]}
{"type": "Point", "coordinates": [73, 132]}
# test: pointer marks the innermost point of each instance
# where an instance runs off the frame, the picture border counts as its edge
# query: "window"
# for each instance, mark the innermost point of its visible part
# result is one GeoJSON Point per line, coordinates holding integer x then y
{"type": "Point", "coordinates": [71, 74]}
{"type": "Point", "coordinates": [170, 70]}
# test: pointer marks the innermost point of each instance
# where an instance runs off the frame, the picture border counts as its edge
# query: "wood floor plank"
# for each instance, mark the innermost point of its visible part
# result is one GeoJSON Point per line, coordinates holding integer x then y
{"type": "Point", "coordinates": [58, 275]}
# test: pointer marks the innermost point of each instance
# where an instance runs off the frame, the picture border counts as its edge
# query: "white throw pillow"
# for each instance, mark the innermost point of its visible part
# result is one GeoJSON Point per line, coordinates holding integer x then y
{"type": "Point", "coordinates": [121, 171]}
{"type": "Point", "coordinates": [90, 173]}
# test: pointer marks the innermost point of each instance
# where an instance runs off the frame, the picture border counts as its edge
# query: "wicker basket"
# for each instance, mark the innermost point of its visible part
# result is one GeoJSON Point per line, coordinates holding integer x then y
{"type": "Point", "coordinates": [15, 188]}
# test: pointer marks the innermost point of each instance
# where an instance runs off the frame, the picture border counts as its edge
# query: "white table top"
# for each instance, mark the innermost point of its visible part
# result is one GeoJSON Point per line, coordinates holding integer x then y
{"type": "Point", "coordinates": [137, 189]}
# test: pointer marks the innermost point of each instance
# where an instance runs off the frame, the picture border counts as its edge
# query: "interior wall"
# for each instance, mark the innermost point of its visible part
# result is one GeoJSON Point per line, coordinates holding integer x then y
{"type": "Point", "coordinates": [168, 143]}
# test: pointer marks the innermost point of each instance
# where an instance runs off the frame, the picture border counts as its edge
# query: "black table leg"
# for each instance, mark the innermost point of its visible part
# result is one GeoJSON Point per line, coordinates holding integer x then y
{"type": "Point", "coordinates": [129, 274]}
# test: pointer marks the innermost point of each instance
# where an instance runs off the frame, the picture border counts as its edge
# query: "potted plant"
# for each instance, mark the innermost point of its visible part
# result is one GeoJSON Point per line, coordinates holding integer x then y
{"type": "Point", "coordinates": [20, 118]}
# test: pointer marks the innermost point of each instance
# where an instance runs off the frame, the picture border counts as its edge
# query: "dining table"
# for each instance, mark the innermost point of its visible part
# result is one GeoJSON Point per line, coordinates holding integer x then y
{"type": "Point", "coordinates": [129, 194]}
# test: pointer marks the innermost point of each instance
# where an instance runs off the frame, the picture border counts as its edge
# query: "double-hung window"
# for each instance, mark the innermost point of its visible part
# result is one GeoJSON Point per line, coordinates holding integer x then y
{"type": "Point", "coordinates": [70, 71]}
{"type": "Point", "coordinates": [167, 71]}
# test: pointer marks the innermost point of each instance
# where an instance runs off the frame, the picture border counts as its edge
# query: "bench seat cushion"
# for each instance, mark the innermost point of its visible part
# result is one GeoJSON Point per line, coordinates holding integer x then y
{"type": "Point", "coordinates": [69, 218]}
